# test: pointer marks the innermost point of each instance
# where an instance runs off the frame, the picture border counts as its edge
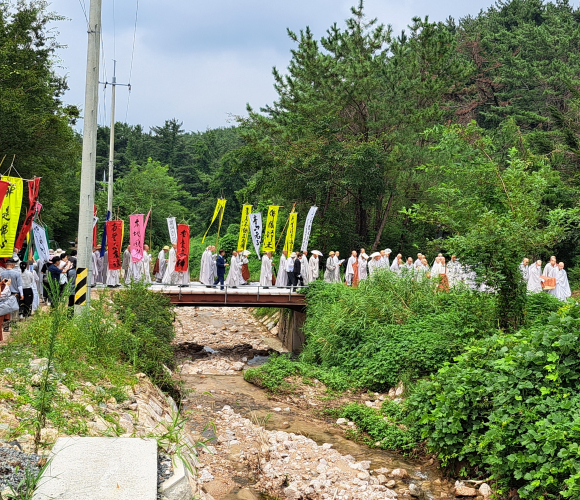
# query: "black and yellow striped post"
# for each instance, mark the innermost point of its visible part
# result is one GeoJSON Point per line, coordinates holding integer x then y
{"type": "Point", "coordinates": [81, 286]}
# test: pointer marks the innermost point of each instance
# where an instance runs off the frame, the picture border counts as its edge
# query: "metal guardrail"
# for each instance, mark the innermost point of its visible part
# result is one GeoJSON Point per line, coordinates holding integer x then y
{"type": "Point", "coordinates": [240, 287]}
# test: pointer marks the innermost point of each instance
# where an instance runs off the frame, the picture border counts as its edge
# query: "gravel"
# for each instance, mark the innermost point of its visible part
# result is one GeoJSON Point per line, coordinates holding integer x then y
{"type": "Point", "coordinates": [14, 464]}
{"type": "Point", "coordinates": [164, 470]}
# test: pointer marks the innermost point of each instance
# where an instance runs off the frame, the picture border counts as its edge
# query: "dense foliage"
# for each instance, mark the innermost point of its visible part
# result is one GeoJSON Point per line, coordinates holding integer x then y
{"type": "Point", "coordinates": [35, 126]}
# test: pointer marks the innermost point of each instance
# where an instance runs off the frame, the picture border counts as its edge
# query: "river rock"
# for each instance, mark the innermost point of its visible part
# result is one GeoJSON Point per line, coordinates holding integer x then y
{"type": "Point", "coordinates": [391, 494]}
{"type": "Point", "coordinates": [391, 484]}
{"type": "Point", "coordinates": [237, 366]}
{"type": "Point", "coordinates": [292, 492]}
{"type": "Point", "coordinates": [485, 490]}
{"type": "Point", "coordinates": [341, 421]}
{"type": "Point", "coordinates": [461, 490]}
{"type": "Point", "coordinates": [399, 473]}
{"type": "Point", "coordinates": [382, 479]}
{"type": "Point", "coordinates": [414, 490]}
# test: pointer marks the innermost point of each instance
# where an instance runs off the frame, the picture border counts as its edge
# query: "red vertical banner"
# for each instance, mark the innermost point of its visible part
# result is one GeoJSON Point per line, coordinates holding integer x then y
{"type": "Point", "coordinates": [33, 187]}
{"type": "Point", "coordinates": [114, 242]}
{"type": "Point", "coordinates": [182, 262]}
{"type": "Point", "coordinates": [136, 234]}
{"type": "Point", "coordinates": [94, 227]}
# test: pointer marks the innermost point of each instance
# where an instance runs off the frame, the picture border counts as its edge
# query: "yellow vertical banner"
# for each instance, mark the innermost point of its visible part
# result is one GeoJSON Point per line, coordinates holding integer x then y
{"type": "Point", "coordinates": [9, 214]}
{"type": "Point", "coordinates": [270, 231]}
{"type": "Point", "coordinates": [244, 227]}
{"type": "Point", "coordinates": [291, 233]}
{"type": "Point", "coordinates": [219, 208]}
{"type": "Point", "coordinates": [222, 208]}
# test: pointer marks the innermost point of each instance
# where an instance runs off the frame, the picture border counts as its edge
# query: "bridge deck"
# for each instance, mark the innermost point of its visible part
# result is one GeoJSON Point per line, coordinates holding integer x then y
{"type": "Point", "coordinates": [251, 295]}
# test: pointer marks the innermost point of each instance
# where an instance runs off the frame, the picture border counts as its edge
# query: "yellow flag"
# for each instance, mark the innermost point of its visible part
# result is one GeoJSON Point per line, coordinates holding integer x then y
{"type": "Point", "coordinates": [270, 232]}
{"type": "Point", "coordinates": [244, 227]}
{"type": "Point", "coordinates": [220, 206]}
{"type": "Point", "coordinates": [223, 209]}
{"type": "Point", "coordinates": [9, 214]}
{"type": "Point", "coordinates": [291, 233]}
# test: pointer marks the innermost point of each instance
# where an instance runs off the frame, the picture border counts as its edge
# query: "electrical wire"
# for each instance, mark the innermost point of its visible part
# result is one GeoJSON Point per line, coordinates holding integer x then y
{"type": "Point", "coordinates": [84, 8]}
{"type": "Point", "coordinates": [132, 58]}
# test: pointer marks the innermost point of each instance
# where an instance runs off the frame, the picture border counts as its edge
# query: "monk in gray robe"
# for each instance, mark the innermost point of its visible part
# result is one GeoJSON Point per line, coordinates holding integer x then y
{"type": "Point", "coordinates": [330, 273]}
{"type": "Point", "coordinates": [282, 278]}
{"type": "Point", "coordinates": [266, 270]}
{"type": "Point", "coordinates": [534, 281]}
{"type": "Point", "coordinates": [562, 286]}
{"type": "Point", "coordinates": [235, 274]}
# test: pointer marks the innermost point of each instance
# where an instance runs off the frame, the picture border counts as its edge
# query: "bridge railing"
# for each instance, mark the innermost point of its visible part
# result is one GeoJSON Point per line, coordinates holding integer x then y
{"type": "Point", "coordinates": [245, 289]}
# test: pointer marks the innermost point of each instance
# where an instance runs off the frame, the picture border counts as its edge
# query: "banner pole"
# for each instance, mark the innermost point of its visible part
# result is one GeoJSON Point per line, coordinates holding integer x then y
{"type": "Point", "coordinates": [287, 220]}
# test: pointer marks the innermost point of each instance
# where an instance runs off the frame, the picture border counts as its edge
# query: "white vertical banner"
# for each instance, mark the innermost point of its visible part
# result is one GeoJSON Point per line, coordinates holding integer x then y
{"type": "Point", "coordinates": [256, 230]}
{"type": "Point", "coordinates": [95, 220]}
{"type": "Point", "coordinates": [40, 242]}
{"type": "Point", "coordinates": [172, 226]}
{"type": "Point", "coordinates": [308, 228]}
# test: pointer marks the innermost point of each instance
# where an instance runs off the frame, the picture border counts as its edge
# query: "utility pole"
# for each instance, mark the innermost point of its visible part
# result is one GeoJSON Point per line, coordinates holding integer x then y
{"type": "Point", "coordinates": [89, 158]}
{"type": "Point", "coordinates": [112, 137]}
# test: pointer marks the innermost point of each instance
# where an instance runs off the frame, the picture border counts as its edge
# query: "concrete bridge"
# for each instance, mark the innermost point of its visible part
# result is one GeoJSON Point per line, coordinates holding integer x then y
{"type": "Point", "coordinates": [253, 295]}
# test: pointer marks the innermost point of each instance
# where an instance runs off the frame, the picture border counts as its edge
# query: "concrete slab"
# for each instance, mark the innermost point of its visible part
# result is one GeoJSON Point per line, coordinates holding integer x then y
{"type": "Point", "coordinates": [99, 468]}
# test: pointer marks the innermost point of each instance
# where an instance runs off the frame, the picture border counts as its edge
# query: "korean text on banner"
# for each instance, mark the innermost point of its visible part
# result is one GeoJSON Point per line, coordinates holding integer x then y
{"type": "Point", "coordinates": [172, 226]}
{"type": "Point", "coordinates": [308, 228]}
{"type": "Point", "coordinates": [40, 242]}
{"type": "Point", "coordinates": [182, 261]}
{"type": "Point", "coordinates": [256, 230]}
{"type": "Point", "coordinates": [114, 242]}
{"type": "Point", "coordinates": [33, 186]}
{"type": "Point", "coordinates": [244, 227]}
{"type": "Point", "coordinates": [219, 208]}
{"type": "Point", "coordinates": [9, 214]}
{"type": "Point", "coordinates": [136, 233]}
{"type": "Point", "coordinates": [270, 231]}
{"type": "Point", "coordinates": [291, 232]}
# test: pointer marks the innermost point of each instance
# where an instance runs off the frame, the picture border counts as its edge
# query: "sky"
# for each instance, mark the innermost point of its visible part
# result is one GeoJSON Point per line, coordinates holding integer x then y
{"type": "Point", "coordinates": [202, 62]}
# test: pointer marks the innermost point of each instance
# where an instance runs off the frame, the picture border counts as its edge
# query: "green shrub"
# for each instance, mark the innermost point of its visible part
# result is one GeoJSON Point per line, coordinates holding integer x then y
{"type": "Point", "coordinates": [510, 406]}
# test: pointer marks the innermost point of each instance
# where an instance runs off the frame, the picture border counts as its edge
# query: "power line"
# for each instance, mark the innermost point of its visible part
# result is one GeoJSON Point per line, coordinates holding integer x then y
{"type": "Point", "coordinates": [132, 58]}
{"type": "Point", "coordinates": [84, 8]}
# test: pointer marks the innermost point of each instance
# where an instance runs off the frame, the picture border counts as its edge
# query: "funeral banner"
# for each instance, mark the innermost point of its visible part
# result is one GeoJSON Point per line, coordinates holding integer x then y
{"type": "Point", "coordinates": [136, 233]}
{"type": "Point", "coordinates": [172, 226]}
{"type": "Point", "coordinates": [244, 228]}
{"type": "Point", "coordinates": [219, 208]}
{"type": "Point", "coordinates": [291, 233]}
{"type": "Point", "coordinates": [115, 242]}
{"type": "Point", "coordinates": [95, 219]}
{"type": "Point", "coordinates": [182, 262]}
{"type": "Point", "coordinates": [9, 214]}
{"type": "Point", "coordinates": [256, 230]}
{"type": "Point", "coordinates": [33, 186]}
{"type": "Point", "coordinates": [270, 232]}
{"type": "Point", "coordinates": [40, 242]}
{"type": "Point", "coordinates": [223, 209]}
{"type": "Point", "coordinates": [308, 228]}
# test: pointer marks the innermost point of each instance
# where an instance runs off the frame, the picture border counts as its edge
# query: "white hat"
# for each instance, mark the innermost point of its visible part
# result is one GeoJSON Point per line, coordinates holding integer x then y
{"type": "Point", "coordinates": [365, 256]}
{"type": "Point", "coordinates": [375, 254]}
{"type": "Point", "coordinates": [293, 255]}
{"type": "Point", "coordinates": [388, 250]}
{"type": "Point", "coordinates": [246, 253]}
{"type": "Point", "coordinates": [316, 252]}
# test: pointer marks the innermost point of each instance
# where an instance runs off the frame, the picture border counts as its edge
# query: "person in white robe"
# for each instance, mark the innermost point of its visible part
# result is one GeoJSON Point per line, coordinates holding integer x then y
{"type": "Point", "coordinates": [330, 272]}
{"type": "Point", "coordinates": [562, 286]}
{"type": "Point", "coordinates": [349, 275]}
{"type": "Point", "coordinates": [454, 271]}
{"type": "Point", "coordinates": [235, 274]}
{"type": "Point", "coordinates": [375, 263]}
{"type": "Point", "coordinates": [362, 265]}
{"type": "Point", "coordinates": [422, 269]}
{"type": "Point", "coordinates": [534, 280]}
{"type": "Point", "coordinates": [126, 264]}
{"type": "Point", "coordinates": [97, 261]}
{"type": "Point", "coordinates": [168, 277]}
{"type": "Point", "coordinates": [551, 271]}
{"type": "Point", "coordinates": [112, 275]}
{"type": "Point", "coordinates": [266, 270]}
{"type": "Point", "coordinates": [146, 264]}
{"type": "Point", "coordinates": [525, 268]}
{"type": "Point", "coordinates": [207, 274]}
{"type": "Point", "coordinates": [282, 278]}
{"type": "Point", "coordinates": [337, 263]}
{"type": "Point", "coordinates": [314, 266]}
{"type": "Point", "coordinates": [419, 261]}
{"type": "Point", "coordinates": [304, 268]}
{"type": "Point", "coordinates": [162, 257]}
{"type": "Point", "coordinates": [408, 266]}
{"type": "Point", "coordinates": [397, 265]}
{"type": "Point", "coordinates": [437, 268]}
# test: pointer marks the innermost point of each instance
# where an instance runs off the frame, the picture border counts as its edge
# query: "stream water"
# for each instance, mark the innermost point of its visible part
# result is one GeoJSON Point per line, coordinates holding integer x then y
{"type": "Point", "coordinates": [208, 392]}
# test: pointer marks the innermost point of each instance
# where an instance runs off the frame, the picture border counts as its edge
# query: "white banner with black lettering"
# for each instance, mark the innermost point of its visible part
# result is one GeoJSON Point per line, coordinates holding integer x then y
{"type": "Point", "coordinates": [256, 230]}
{"type": "Point", "coordinates": [308, 228]}
{"type": "Point", "coordinates": [172, 226]}
{"type": "Point", "coordinates": [40, 242]}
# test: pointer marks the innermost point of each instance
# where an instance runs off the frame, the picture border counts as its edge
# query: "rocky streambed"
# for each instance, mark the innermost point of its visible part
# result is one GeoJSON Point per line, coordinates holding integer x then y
{"type": "Point", "coordinates": [252, 446]}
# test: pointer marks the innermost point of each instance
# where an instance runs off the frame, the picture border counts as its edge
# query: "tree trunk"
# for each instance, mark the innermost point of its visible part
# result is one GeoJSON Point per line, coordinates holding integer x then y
{"type": "Point", "coordinates": [361, 222]}
{"type": "Point", "coordinates": [383, 222]}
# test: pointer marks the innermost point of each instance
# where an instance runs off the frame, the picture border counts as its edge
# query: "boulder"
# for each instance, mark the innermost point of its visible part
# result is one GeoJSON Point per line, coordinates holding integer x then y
{"type": "Point", "coordinates": [485, 490]}
{"type": "Point", "coordinates": [399, 473]}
